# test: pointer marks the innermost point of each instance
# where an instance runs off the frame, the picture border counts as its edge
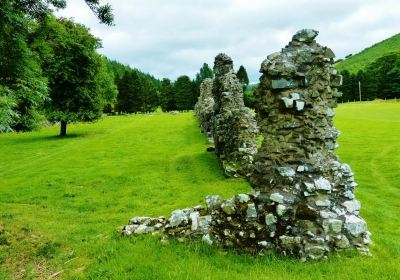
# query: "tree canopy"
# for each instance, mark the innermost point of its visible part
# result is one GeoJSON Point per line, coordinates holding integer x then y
{"type": "Point", "coordinates": [76, 77]}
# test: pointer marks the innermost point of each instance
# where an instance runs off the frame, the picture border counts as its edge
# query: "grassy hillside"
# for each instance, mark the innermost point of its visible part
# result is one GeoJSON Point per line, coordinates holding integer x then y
{"type": "Point", "coordinates": [62, 200]}
{"type": "Point", "coordinates": [368, 55]}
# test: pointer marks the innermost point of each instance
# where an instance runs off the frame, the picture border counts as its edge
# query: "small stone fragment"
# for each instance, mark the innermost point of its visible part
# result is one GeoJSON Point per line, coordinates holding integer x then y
{"type": "Point", "coordinates": [323, 184]}
{"type": "Point", "coordinates": [355, 225]}
{"type": "Point", "coordinates": [270, 219]}
{"type": "Point", "coordinates": [251, 212]}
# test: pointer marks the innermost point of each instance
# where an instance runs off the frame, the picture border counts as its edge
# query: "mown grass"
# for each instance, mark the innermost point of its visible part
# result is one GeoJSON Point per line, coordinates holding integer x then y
{"type": "Point", "coordinates": [360, 60]}
{"type": "Point", "coordinates": [62, 200]}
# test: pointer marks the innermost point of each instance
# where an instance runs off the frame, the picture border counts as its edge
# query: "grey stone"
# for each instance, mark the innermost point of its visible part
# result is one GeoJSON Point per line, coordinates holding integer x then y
{"type": "Point", "coordinates": [204, 222]}
{"type": "Point", "coordinates": [328, 214]}
{"type": "Point", "coordinates": [281, 209]}
{"type": "Point", "coordinates": [290, 240]}
{"type": "Point", "coordinates": [305, 35]}
{"type": "Point", "coordinates": [142, 229]}
{"type": "Point", "coordinates": [323, 184]}
{"type": "Point", "coordinates": [194, 218]}
{"type": "Point", "coordinates": [323, 203]}
{"type": "Point", "coordinates": [288, 102]}
{"type": "Point", "coordinates": [332, 225]}
{"type": "Point", "coordinates": [207, 239]}
{"type": "Point", "coordinates": [270, 219]}
{"type": "Point", "coordinates": [352, 206]}
{"type": "Point", "coordinates": [179, 218]}
{"type": "Point", "coordinates": [286, 171]}
{"type": "Point", "coordinates": [228, 206]}
{"type": "Point", "coordinates": [310, 186]}
{"type": "Point", "coordinates": [213, 202]}
{"type": "Point", "coordinates": [243, 198]}
{"type": "Point", "coordinates": [251, 212]}
{"type": "Point", "coordinates": [355, 225]}
{"type": "Point", "coordinates": [300, 105]}
{"type": "Point", "coordinates": [277, 197]}
{"type": "Point", "coordinates": [342, 242]}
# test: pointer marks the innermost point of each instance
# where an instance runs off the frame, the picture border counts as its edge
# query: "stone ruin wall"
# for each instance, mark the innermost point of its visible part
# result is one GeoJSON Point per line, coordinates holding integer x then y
{"type": "Point", "coordinates": [204, 108]}
{"type": "Point", "coordinates": [235, 130]}
{"type": "Point", "coordinates": [302, 203]}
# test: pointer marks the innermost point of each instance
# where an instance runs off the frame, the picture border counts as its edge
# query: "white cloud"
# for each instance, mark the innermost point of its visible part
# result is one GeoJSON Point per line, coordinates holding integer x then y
{"type": "Point", "coordinates": [174, 37]}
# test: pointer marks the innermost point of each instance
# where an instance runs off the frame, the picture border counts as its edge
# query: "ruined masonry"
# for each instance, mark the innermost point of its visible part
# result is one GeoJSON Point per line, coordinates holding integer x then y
{"type": "Point", "coordinates": [302, 203]}
{"type": "Point", "coordinates": [235, 130]}
{"type": "Point", "coordinates": [204, 108]}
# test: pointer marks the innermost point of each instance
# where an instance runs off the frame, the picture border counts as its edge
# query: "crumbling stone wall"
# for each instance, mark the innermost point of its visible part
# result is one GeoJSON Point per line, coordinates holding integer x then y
{"type": "Point", "coordinates": [204, 108]}
{"type": "Point", "coordinates": [303, 202]}
{"type": "Point", "coordinates": [296, 168]}
{"type": "Point", "coordinates": [234, 130]}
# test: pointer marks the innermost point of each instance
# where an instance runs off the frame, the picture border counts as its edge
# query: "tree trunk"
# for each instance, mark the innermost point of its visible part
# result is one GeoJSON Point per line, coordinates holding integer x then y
{"type": "Point", "coordinates": [63, 131]}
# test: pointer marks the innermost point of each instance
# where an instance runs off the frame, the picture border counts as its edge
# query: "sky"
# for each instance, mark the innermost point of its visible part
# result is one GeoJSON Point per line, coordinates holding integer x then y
{"type": "Point", "coordinates": [170, 38]}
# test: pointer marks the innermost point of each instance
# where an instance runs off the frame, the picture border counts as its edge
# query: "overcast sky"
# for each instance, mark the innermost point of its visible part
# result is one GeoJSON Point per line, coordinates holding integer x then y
{"type": "Point", "coordinates": [169, 38]}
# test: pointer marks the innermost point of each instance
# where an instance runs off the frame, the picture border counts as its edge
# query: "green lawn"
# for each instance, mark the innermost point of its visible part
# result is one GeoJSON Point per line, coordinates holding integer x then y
{"type": "Point", "coordinates": [62, 200]}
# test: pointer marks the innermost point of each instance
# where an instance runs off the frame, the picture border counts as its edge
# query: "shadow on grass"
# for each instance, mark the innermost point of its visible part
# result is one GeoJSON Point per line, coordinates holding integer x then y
{"type": "Point", "coordinates": [41, 138]}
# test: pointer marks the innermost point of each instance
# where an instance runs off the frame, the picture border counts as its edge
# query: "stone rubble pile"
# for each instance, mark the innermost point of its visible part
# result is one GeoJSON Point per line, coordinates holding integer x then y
{"type": "Point", "coordinates": [235, 130]}
{"type": "Point", "coordinates": [204, 108]}
{"type": "Point", "coordinates": [302, 203]}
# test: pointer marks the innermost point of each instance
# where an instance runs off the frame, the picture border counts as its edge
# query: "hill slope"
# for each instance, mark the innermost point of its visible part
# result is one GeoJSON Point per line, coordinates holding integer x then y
{"type": "Point", "coordinates": [62, 200]}
{"type": "Point", "coordinates": [368, 55]}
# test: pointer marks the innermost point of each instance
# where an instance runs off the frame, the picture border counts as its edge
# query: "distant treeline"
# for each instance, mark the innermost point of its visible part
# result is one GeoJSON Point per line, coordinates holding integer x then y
{"type": "Point", "coordinates": [379, 80]}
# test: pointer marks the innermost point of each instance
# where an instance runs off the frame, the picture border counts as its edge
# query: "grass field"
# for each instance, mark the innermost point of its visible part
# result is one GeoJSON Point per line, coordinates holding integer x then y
{"type": "Point", "coordinates": [62, 200]}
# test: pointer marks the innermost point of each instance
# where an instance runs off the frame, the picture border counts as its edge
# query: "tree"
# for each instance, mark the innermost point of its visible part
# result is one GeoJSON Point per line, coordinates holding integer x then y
{"type": "Point", "coordinates": [393, 83]}
{"type": "Point", "coordinates": [40, 9]}
{"type": "Point", "coordinates": [249, 98]}
{"type": "Point", "coordinates": [73, 68]}
{"type": "Point", "coordinates": [167, 96]}
{"type": "Point", "coordinates": [382, 75]}
{"type": "Point", "coordinates": [242, 76]}
{"type": "Point", "coordinates": [8, 115]}
{"type": "Point", "coordinates": [129, 93]}
{"type": "Point", "coordinates": [205, 72]}
{"type": "Point", "coordinates": [106, 86]}
{"type": "Point", "coordinates": [20, 73]}
{"type": "Point", "coordinates": [184, 93]}
{"type": "Point", "coordinates": [149, 96]}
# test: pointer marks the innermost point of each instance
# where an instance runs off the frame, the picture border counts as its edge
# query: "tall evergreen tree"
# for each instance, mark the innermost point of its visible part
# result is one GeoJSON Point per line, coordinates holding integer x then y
{"type": "Point", "coordinates": [242, 76]}
{"type": "Point", "coordinates": [167, 96]}
{"type": "Point", "coordinates": [149, 96]}
{"type": "Point", "coordinates": [184, 94]}
{"type": "Point", "coordinates": [204, 73]}
{"type": "Point", "coordinates": [130, 97]}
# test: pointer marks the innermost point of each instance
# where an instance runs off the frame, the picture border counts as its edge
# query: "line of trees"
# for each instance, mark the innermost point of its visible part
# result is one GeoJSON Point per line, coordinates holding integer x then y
{"type": "Point", "coordinates": [380, 79]}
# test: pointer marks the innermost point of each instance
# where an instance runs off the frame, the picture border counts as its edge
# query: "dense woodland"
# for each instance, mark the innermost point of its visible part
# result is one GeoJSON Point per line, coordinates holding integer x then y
{"type": "Point", "coordinates": [379, 80]}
